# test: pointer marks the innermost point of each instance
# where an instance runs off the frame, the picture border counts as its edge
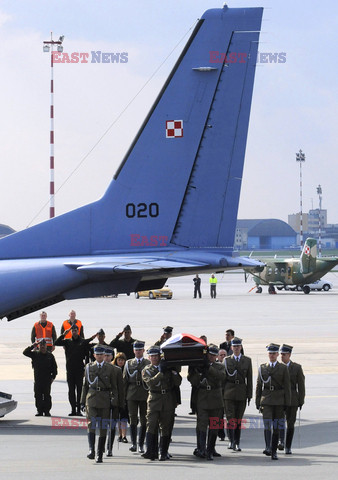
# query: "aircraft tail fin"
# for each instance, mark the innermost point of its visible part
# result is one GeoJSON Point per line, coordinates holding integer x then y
{"type": "Point", "coordinates": [308, 256]}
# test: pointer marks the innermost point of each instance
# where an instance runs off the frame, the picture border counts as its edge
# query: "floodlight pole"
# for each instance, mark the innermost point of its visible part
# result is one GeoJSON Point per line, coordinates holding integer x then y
{"type": "Point", "coordinates": [48, 45]}
{"type": "Point", "coordinates": [300, 157]}
{"type": "Point", "coordinates": [319, 191]}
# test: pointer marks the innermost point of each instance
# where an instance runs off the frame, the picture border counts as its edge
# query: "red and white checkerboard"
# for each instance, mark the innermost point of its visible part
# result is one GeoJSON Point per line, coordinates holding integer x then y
{"type": "Point", "coordinates": [174, 128]}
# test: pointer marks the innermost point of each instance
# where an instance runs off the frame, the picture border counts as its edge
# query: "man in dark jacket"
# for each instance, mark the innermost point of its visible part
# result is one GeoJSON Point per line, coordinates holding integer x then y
{"type": "Point", "coordinates": [76, 349]}
{"type": "Point", "coordinates": [125, 345]}
{"type": "Point", "coordinates": [45, 371]}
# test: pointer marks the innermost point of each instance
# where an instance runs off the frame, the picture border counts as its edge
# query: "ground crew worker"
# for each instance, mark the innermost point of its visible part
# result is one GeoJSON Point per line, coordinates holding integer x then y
{"type": "Point", "coordinates": [136, 395]}
{"type": "Point", "coordinates": [297, 381]}
{"type": "Point", "coordinates": [124, 345]}
{"type": "Point", "coordinates": [67, 324]}
{"type": "Point", "coordinates": [76, 349]}
{"type": "Point", "coordinates": [102, 388]}
{"type": "Point", "coordinates": [44, 329]}
{"type": "Point", "coordinates": [197, 286]}
{"type": "Point", "coordinates": [237, 391]}
{"type": "Point", "coordinates": [273, 395]}
{"type": "Point", "coordinates": [213, 283]}
{"type": "Point", "coordinates": [45, 371]}
{"type": "Point", "coordinates": [208, 380]}
{"type": "Point", "coordinates": [161, 403]}
{"type": "Point", "coordinates": [167, 333]}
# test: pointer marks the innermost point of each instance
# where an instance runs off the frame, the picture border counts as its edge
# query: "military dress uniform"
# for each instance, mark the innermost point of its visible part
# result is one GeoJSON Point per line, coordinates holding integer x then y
{"type": "Point", "coordinates": [237, 392]}
{"type": "Point", "coordinates": [208, 381]}
{"type": "Point", "coordinates": [136, 396]}
{"type": "Point", "coordinates": [297, 380]}
{"type": "Point", "coordinates": [102, 388]}
{"type": "Point", "coordinates": [273, 395]}
{"type": "Point", "coordinates": [161, 404]}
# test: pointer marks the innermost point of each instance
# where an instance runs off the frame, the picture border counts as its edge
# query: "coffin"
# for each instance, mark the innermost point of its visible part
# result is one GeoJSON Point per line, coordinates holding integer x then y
{"type": "Point", "coordinates": [184, 349]}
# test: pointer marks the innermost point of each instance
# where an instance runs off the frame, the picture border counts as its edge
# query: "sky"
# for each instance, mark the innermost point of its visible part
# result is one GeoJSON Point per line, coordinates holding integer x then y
{"type": "Point", "coordinates": [102, 105]}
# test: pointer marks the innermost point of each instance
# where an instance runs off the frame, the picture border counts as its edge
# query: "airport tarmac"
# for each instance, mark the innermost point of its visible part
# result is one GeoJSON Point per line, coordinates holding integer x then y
{"type": "Point", "coordinates": [39, 448]}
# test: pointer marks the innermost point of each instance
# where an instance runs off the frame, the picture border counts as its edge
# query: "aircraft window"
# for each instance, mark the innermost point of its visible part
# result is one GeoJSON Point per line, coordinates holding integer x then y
{"type": "Point", "coordinates": [289, 270]}
{"type": "Point", "coordinates": [269, 271]}
{"type": "Point", "coordinates": [276, 271]}
{"type": "Point", "coordinates": [282, 270]}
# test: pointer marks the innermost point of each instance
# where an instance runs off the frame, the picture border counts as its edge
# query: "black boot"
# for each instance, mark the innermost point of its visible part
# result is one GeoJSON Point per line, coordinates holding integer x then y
{"type": "Point", "coordinates": [91, 441]}
{"type": "Point", "coordinates": [231, 438]}
{"type": "Point", "coordinates": [151, 452]}
{"type": "Point", "coordinates": [237, 438]}
{"type": "Point", "coordinates": [141, 437]}
{"type": "Point", "coordinates": [281, 439]}
{"type": "Point", "coordinates": [133, 436]}
{"type": "Point", "coordinates": [288, 441]}
{"type": "Point", "coordinates": [164, 442]}
{"type": "Point", "coordinates": [110, 442]}
{"type": "Point", "coordinates": [100, 449]}
{"type": "Point", "coordinates": [274, 444]}
{"type": "Point", "coordinates": [267, 437]}
{"type": "Point", "coordinates": [201, 453]}
{"type": "Point", "coordinates": [198, 447]}
{"type": "Point", "coordinates": [211, 445]}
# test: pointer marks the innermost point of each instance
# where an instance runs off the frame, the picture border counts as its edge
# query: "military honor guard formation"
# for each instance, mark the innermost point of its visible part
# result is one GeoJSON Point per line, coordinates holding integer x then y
{"type": "Point", "coordinates": [114, 389]}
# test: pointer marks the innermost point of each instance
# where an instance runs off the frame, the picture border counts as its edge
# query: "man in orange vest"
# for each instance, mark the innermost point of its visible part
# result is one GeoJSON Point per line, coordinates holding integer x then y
{"type": "Point", "coordinates": [44, 330]}
{"type": "Point", "coordinates": [67, 324]}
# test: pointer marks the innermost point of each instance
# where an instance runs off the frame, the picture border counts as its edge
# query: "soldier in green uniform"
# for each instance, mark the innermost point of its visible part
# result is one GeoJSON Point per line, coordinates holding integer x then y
{"type": "Point", "coordinates": [273, 395]}
{"type": "Point", "coordinates": [161, 382]}
{"type": "Point", "coordinates": [208, 380]}
{"type": "Point", "coordinates": [297, 380]}
{"type": "Point", "coordinates": [167, 333]}
{"type": "Point", "coordinates": [103, 387]}
{"type": "Point", "coordinates": [136, 395]}
{"type": "Point", "coordinates": [237, 391]}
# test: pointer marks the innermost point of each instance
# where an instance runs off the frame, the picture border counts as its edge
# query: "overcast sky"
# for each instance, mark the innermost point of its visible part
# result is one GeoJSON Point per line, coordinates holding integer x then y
{"type": "Point", "coordinates": [294, 103]}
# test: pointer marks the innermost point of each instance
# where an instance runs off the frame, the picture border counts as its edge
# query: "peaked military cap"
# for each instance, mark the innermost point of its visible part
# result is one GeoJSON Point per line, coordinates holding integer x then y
{"type": "Point", "coordinates": [213, 349]}
{"type": "Point", "coordinates": [272, 347]}
{"type": "Point", "coordinates": [101, 332]}
{"type": "Point", "coordinates": [99, 350]}
{"type": "Point", "coordinates": [168, 329]}
{"type": "Point", "coordinates": [154, 350]}
{"type": "Point", "coordinates": [127, 327]}
{"type": "Point", "coordinates": [138, 345]}
{"type": "Point", "coordinates": [286, 348]}
{"type": "Point", "coordinates": [236, 341]}
{"type": "Point", "coordinates": [109, 350]}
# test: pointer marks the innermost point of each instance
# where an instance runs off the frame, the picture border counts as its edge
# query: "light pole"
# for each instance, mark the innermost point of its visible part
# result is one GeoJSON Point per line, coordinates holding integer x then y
{"type": "Point", "coordinates": [300, 157]}
{"type": "Point", "coordinates": [47, 46]}
{"type": "Point", "coordinates": [319, 191]}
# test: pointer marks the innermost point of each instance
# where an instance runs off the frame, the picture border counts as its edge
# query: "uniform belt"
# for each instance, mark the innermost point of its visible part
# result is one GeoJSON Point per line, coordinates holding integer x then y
{"type": "Point", "coordinates": [209, 387]}
{"type": "Point", "coordinates": [272, 388]}
{"type": "Point", "coordinates": [100, 389]}
{"type": "Point", "coordinates": [163, 391]}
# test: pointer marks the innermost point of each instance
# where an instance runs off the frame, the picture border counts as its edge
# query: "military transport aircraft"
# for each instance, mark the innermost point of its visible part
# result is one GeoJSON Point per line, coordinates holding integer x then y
{"type": "Point", "coordinates": [171, 207]}
{"type": "Point", "coordinates": [290, 273]}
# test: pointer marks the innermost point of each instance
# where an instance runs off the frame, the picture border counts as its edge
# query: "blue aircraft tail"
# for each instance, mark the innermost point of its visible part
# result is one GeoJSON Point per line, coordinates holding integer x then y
{"type": "Point", "coordinates": [179, 183]}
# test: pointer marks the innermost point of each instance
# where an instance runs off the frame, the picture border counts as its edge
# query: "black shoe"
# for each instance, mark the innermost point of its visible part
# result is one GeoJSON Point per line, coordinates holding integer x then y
{"type": "Point", "coordinates": [267, 452]}
{"type": "Point", "coordinates": [280, 446]}
{"type": "Point", "coordinates": [210, 456]}
{"type": "Point", "coordinates": [216, 454]}
{"type": "Point", "coordinates": [274, 456]}
{"type": "Point", "coordinates": [109, 453]}
{"type": "Point", "coordinates": [91, 454]}
{"type": "Point", "coordinates": [39, 414]}
{"type": "Point", "coordinates": [124, 440]}
{"type": "Point", "coordinates": [120, 438]}
{"type": "Point", "coordinates": [133, 448]}
{"type": "Point", "coordinates": [237, 448]}
{"type": "Point", "coordinates": [47, 414]}
{"type": "Point", "coordinates": [79, 414]}
{"type": "Point", "coordinates": [231, 446]}
{"type": "Point", "coordinates": [288, 451]}
{"type": "Point", "coordinates": [140, 449]}
{"type": "Point", "coordinates": [192, 413]}
{"type": "Point", "coordinates": [72, 414]}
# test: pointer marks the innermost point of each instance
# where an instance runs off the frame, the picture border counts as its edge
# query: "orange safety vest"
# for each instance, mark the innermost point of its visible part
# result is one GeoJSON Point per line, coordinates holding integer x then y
{"type": "Point", "coordinates": [66, 324]}
{"type": "Point", "coordinates": [45, 332]}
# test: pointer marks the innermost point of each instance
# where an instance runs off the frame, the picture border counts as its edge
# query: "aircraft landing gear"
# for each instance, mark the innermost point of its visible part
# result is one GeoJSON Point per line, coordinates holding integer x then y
{"type": "Point", "coordinates": [259, 290]}
{"type": "Point", "coordinates": [272, 290]}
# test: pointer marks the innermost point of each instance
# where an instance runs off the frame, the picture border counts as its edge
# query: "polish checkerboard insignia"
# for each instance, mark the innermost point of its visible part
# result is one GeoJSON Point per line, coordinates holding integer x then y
{"type": "Point", "coordinates": [174, 128]}
{"type": "Point", "coordinates": [307, 250]}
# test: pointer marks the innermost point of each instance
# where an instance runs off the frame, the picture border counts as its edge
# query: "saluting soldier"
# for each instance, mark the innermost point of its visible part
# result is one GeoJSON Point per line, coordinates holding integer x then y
{"type": "Point", "coordinates": [297, 380]}
{"type": "Point", "coordinates": [208, 380]}
{"type": "Point", "coordinates": [103, 387]}
{"type": "Point", "coordinates": [136, 395]}
{"type": "Point", "coordinates": [237, 391]}
{"type": "Point", "coordinates": [161, 403]}
{"type": "Point", "coordinates": [273, 395]}
{"type": "Point", "coordinates": [167, 333]}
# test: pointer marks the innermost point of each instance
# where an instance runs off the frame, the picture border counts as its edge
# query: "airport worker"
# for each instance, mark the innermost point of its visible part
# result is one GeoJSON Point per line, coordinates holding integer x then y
{"type": "Point", "coordinates": [273, 395]}
{"type": "Point", "coordinates": [125, 344]}
{"type": "Point", "coordinates": [102, 390]}
{"type": "Point", "coordinates": [161, 403]}
{"type": "Point", "coordinates": [45, 371]}
{"type": "Point", "coordinates": [213, 284]}
{"type": "Point", "coordinates": [297, 380]}
{"type": "Point", "coordinates": [208, 380]}
{"type": "Point", "coordinates": [136, 395]}
{"type": "Point", "coordinates": [237, 391]}
{"type": "Point", "coordinates": [76, 350]}
{"type": "Point", "coordinates": [197, 286]}
{"type": "Point", "coordinates": [167, 333]}
{"type": "Point", "coordinates": [44, 329]}
{"type": "Point", "coordinates": [69, 323]}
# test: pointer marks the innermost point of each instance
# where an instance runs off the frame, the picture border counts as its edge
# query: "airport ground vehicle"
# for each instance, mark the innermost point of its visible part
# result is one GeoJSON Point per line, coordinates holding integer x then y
{"type": "Point", "coordinates": [317, 285]}
{"type": "Point", "coordinates": [164, 292]}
